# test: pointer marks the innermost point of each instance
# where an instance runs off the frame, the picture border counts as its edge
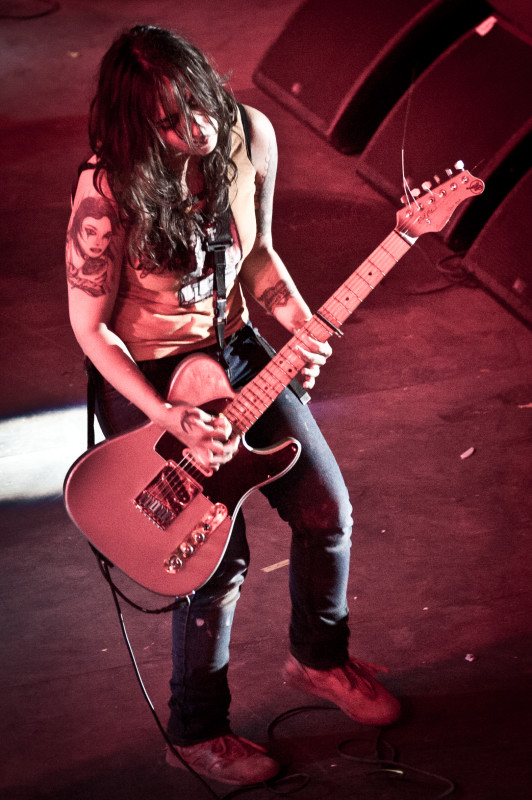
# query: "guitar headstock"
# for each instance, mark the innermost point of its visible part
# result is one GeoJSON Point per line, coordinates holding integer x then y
{"type": "Point", "coordinates": [431, 211]}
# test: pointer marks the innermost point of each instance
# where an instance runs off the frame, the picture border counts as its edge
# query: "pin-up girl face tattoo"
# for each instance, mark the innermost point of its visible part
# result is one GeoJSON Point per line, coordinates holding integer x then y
{"type": "Point", "coordinates": [89, 250]}
{"type": "Point", "coordinates": [94, 236]}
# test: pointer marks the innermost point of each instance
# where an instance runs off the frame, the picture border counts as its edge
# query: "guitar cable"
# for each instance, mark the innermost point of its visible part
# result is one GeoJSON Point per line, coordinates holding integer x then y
{"type": "Point", "coordinates": [274, 787]}
{"type": "Point", "coordinates": [381, 764]}
{"type": "Point", "coordinates": [388, 767]}
{"type": "Point", "coordinates": [105, 566]}
{"type": "Point", "coordinates": [116, 593]}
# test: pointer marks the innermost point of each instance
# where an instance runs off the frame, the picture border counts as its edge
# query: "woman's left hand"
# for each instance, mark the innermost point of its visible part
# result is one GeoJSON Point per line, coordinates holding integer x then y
{"type": "Point", "coordinates": [316, 354]}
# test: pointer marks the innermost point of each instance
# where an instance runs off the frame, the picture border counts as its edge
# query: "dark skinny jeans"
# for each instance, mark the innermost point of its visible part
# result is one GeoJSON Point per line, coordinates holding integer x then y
{"type": "Point", "coordinates": [312, 498]}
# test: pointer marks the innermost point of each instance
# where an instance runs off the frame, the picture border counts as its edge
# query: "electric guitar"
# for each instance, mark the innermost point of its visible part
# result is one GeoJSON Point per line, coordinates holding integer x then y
{"type": "Point", "coordinates": [143, 501]}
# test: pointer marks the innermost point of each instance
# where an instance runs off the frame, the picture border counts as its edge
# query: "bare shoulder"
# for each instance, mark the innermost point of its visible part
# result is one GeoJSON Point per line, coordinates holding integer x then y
{"type": "Point", "coordinates": [264, 158]}
{"type": "Point", "coordinates": [86, 187]}
{"type": "Point", "coordinates": [260, 124]}
{"type": "Point", "coordinates": [263, 141]}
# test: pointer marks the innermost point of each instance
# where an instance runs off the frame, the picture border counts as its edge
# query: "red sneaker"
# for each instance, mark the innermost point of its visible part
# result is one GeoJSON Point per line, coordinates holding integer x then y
{"type": "Point", "coordinates": [351, 687]}
{"type": "Point", "coordinates": [228, 759]}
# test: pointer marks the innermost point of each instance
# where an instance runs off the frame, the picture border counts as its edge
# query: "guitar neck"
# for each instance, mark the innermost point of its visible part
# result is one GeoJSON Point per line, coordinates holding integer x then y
{"type": "Point", "coordinates": [257, 396]}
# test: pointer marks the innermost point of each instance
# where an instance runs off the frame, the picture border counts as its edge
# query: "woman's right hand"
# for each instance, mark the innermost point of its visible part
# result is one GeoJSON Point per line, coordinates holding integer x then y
{"type": "Point", "coordinates": [209, 438]}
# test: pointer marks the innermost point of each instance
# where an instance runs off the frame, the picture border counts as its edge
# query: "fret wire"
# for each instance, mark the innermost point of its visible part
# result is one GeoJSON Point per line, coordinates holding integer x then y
{"type": "Point", "coordinates": [331, 315]}
{"type": "Point", "coordinates": [385, 254]}
{"type": "Point", "coordinates": [244, 412]}
{"type": "Point", "coordinates": [362, 287]}
{"type": "Point", "coordinates": [358, 290]}
{"type": "Point", "coordinates": [248, 407]}
{"type": "Point", "coordinates": [314, 326]}
{"type": "Point", "coordinates": [291, 350]}
{"type": "Point", "coordinates": [390, 254]}
{"type": "Point", "coordinates": [273, 378]}
{"type": "Point", "coordinates": [356, 282]}
{"type": "Point", "coordinates": [327, 326]}
{"type": "Point", "coordinates": [284, 358]}
{"type": "Point", "coordinates": [366, 282]}
{"type": "Point", "coordinates": [288, 375]}
{"type": "Point", "coordinates": [344, 306]}
{"type": "Point", "coordinates": [373, 264]}
{"type": "Point", "coordinates": [288, 350]}
{"type": "Point", "coordinates": [253, 395]}
{"type": "Point", "coordinates": [255, 404]}
{"type": "Point", "coordinates": [267, 389]}
{"type": "Point", "coordinates": [235, 419]}
{"type": "Point", "coordinates": [269, 370]}
{"type": "Point", "coordinates": [364, 279]}
{"type": "Point", "coordinates": [257, 395]}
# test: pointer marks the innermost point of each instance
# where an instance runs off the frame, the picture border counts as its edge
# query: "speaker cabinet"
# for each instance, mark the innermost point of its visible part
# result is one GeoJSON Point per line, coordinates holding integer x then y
{"type": "Point", "coordinates": [500, 255]}
{"type": "Point", "coordinates": [339, 66]}
{"type": "Point", "coordinates": [473, 104]}
{"type": "Point", "coordinates": [519, 12]}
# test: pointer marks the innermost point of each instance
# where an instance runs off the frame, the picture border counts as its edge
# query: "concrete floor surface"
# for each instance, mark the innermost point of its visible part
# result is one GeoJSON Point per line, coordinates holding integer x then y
{"type": "Point", "coordinates": [440, 581]}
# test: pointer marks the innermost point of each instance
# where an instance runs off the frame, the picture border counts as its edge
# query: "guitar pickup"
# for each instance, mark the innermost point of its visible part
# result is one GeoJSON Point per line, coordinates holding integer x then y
{"type": "Point", "coordinates": [165, 497]}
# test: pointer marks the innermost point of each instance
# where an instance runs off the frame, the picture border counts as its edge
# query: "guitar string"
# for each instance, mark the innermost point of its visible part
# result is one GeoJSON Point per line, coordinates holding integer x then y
{"type": "Point", "coordinates": [381, 255]}
{"type": "Point", "coordinates": [406, 187]}
{"type": "Point", "coordinates": [248, 397]}
{"type": "Point", "coordinates": [170, 492]}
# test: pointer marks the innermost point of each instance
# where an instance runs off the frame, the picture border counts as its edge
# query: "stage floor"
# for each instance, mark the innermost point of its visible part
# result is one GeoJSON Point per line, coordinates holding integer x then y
{"type": "Point", "coordinates": [428, 368]}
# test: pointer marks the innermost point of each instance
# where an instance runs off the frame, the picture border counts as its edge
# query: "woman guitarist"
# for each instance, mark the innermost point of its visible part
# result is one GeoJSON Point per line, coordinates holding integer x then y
{"type": "Point", "coordinates": [174, 159]}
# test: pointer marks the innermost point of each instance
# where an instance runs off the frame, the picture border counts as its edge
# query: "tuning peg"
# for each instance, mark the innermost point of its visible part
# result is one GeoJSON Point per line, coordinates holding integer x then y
{"type": "Point", "coordinates": [436, 179]}
{"type": "Point", "coordinates": [448, 172]}
{"type": "Point", "coordinates": [412, 194]}
{"type": "Point", "coordinates": [459, 166]}
{"type": "Point", "coordinates": [426, 186]}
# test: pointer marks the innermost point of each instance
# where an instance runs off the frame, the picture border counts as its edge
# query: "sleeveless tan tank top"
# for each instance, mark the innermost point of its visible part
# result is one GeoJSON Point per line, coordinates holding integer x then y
{"type": "Point", "coordinates": [158, 315]}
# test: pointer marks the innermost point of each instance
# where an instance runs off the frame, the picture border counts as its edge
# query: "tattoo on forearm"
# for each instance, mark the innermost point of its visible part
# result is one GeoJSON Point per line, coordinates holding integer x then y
{"type": "Point", "coordinates": [276, 296]}
{"type": "Point", "coordinates": [89, 250]}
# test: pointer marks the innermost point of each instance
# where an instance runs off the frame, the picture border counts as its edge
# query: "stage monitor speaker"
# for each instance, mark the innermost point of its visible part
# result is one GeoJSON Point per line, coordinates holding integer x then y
{"type": "Point", "coordinates": [339, 66]}
{"type": "Point", "coordinates": [519, 12]}
{"type": "Point", "coordinates": [500, 255]}
{"type": "Point", "coordinates": [473, 104]}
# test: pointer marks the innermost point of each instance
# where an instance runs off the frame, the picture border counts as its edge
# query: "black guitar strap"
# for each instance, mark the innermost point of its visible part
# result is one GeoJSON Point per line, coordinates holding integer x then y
{"type": "Point", "coordinates": [217, 240]}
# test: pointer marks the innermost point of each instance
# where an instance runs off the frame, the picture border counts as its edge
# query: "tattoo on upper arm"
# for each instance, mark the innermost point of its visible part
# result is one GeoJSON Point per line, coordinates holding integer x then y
{"type": "Point", "coordinates": [89, 251]}
{"type": "Point", "coordinates": [275, 296]}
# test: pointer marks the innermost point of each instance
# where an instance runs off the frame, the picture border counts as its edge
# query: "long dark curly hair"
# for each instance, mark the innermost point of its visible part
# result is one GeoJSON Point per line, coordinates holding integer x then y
{"type": "Point", "coordinates": [149, 68]}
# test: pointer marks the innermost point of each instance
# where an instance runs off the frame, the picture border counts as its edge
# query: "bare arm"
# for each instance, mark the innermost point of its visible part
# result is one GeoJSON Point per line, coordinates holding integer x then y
{"type": "Point", "coordinates": [94, 256]}
{"type": "Point", "coordinates": [263, 272]}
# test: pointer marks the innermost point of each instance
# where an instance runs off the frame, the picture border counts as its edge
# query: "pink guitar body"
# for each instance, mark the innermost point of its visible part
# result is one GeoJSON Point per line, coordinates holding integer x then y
{"type": "Point", "coordinates": [148, 508]}
{"type": "Point", "coordinates": [108, 495]}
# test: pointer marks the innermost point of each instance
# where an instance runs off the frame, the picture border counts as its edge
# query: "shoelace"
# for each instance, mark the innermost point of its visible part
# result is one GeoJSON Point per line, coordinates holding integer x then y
{"type": "Point", "coordinates": [234, 746]}
{"type": "Point", "coordinates": [362, 672]}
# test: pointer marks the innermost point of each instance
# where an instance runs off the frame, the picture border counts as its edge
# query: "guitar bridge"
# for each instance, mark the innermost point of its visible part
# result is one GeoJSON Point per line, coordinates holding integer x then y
{"type": "Point", "coordinates": [199, 535]}
{"type": "Point", "coordinates": [167, 495]}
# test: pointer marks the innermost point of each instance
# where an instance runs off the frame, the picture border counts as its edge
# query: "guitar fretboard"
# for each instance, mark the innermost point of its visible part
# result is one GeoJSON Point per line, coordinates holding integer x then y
{"type": "Point", "coordinates": [257, 396]}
